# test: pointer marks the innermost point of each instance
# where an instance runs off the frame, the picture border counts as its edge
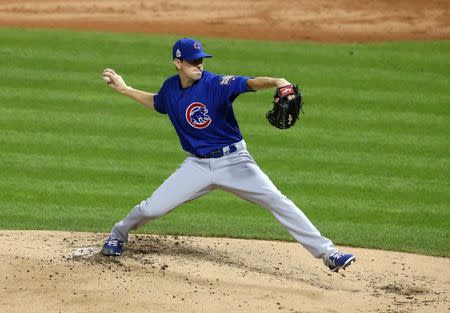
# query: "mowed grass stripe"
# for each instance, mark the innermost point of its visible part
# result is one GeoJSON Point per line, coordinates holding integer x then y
{"type": "Point", "coordinates": [38, 123]}
{"type": "Point", "coordinates": [36, 70]}
{"type": "Point", "coordinates": [116, 145]}
{"type": "Point", "coordinates": [366, 114]}
{"type": "Point", "coordinates": [83, 123]}
{"type": "Point", "coordinates": [365, 119]}
{"type": "Point", "coordinates": [311, 135]}
{"type": "Point", "coordinates": [164, 164]}
{"type": "Point", "coordinates": [414, 188]}
{"type": "Point", "coordinates": [87, 124]}
{"type": "Point", "coordinates": [246, 105]}
{"type": "Point", "coordinates": [332, 191]}
{"type": "Point", "coordinates": [91, 146]}
{"type": "Point", "coordinates": [427, 156]}
{"type": "Point", "coordinates": [234, 206]}
{"type": "Point", "coordinates": [375, 236]}
{"type": "Point", "coordinates": [362, 89]}
{"type": "Point", "coordinates": [363, 159]}
{"type": "Point", "coordinates": [59, 79]}
{"type": "Point", "coordinates": [428, 146]}
{"type": "Point", "coordinates": [53, 169]}
{"type": "Point", "coordinates": [101, 180]}
{"type": "Point", "coordinates": [356, 186]}
{"type": "Point", "coordinates": [91, 196]}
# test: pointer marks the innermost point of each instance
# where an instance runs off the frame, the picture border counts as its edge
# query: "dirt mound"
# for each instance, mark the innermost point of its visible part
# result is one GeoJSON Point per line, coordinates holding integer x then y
{"type": "Point", "coordinates": [320, 20]}
{"type": "Point", "coordinates": [64, 272]}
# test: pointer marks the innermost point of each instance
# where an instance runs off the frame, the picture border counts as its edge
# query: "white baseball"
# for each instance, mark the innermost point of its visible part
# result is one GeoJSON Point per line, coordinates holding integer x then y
{"type": "Point", "coordinates": [107, 79]}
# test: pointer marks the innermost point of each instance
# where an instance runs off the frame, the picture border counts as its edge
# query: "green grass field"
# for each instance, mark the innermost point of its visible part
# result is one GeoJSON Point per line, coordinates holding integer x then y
{"type": "Point", "coordinates": [369, 163]}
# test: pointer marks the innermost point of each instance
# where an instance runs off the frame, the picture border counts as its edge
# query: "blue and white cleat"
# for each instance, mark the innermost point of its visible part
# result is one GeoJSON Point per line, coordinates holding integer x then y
{"type": "Point", "coordinates": [112, 247]}
{"type": "Point", "coordinates": [337, 260]}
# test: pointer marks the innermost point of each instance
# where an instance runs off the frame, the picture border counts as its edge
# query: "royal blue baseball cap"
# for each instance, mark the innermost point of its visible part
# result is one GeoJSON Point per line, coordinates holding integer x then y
{"type": "Point", "coordinates": [189, 49]}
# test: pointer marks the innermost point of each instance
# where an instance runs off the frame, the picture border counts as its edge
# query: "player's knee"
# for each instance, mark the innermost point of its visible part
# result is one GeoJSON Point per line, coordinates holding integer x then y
{"type": "Point", "coordinates": [275, 197]}
{"type": "Point", "coordinates": [276, 201]}
{"type": "Point", "coordinates": [150, 210]}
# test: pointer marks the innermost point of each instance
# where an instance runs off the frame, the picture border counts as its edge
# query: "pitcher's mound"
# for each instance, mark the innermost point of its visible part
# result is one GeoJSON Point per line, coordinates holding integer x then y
{"type": "Point", "coordinates": [63, 272]}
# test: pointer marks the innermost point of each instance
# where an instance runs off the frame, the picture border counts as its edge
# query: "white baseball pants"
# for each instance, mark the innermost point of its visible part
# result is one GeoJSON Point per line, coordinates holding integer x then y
{"type": "Point", "coordinates": [237, 173]}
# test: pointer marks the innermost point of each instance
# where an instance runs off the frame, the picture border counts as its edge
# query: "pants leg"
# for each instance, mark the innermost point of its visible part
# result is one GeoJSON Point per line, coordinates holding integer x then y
{"type": "Point", "coordinates": [238, 173]}
{"type": "Point", "coordinates": [190, 181]}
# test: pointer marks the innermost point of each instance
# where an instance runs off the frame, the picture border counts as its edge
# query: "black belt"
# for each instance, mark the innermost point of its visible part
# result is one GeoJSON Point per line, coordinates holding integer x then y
{"type": "Point", "coordinates": [218, 153]}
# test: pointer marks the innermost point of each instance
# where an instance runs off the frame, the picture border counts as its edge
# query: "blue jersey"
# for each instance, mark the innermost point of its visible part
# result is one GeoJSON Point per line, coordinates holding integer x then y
{"type": "Point", "coordinates": [202, 114]}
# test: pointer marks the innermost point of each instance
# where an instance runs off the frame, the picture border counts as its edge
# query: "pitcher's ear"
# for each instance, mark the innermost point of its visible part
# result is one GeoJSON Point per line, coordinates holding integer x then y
{"type": "Point", "coordinates": [177, 63]}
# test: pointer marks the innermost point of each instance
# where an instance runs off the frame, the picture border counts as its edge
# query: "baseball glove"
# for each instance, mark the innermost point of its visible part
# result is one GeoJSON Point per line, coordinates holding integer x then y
{"type": "Point", "coordinates": [287, 105]}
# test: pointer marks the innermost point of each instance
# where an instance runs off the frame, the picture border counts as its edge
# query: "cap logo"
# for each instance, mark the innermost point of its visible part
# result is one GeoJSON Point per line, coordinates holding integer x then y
{"type": "Point", "coordinates": [178, 53]}
{"type": "Point", "coordinates": [197, 45]}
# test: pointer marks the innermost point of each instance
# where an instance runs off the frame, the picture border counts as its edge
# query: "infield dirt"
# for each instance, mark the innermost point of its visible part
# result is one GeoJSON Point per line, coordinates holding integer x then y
{"type": "Point", "coordinates": [319, 20]}
{"type": "Point", "coordinates": [63, 272]}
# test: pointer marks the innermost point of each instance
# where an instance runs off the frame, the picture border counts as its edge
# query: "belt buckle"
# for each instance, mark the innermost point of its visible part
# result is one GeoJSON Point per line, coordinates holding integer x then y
{"type": "Point", "coordinates": [226, 150]}
{"type": "Point", "coordinates": [215, 154]}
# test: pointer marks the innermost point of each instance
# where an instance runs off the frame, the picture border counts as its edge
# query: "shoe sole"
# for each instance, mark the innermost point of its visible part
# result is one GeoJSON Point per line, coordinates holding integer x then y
{"type": "Point", "coordinates": [109, 252]}
{"type": "Point", "coordinates": [346, 264]}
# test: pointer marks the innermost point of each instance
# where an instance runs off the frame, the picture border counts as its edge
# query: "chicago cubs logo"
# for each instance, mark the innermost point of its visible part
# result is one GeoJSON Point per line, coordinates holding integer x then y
{"type": "Point", "coordinates": [197, 115]}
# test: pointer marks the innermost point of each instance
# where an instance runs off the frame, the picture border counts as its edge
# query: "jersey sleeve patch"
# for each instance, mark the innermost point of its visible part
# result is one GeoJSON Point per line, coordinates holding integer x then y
{"type": "Point", "coordinates": [226, 80]}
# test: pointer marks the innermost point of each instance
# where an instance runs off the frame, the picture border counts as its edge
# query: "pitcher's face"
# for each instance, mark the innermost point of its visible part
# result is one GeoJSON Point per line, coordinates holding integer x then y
{"type": "Point", "coordinates": [192, 70]}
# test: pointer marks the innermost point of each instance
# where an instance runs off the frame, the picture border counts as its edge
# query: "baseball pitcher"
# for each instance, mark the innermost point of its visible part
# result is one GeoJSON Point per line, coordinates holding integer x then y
{"type": "Point", "coordinates": [200, 106]}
